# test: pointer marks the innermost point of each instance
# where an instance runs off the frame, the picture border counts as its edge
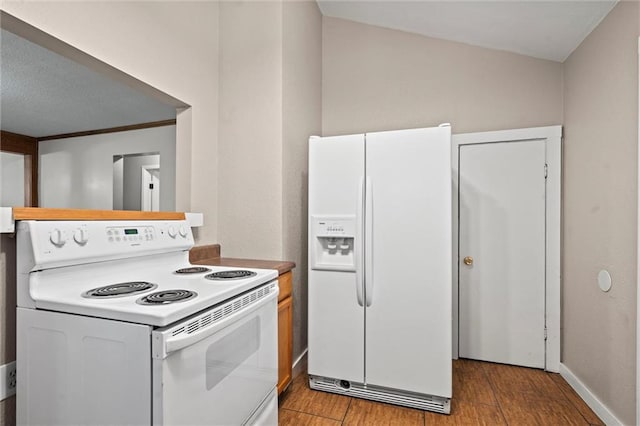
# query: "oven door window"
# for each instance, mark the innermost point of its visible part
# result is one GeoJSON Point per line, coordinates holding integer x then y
{"type": "Point", "coordinates": [229, 354]}
{"type": "Point", "coordinates": [221, 379]}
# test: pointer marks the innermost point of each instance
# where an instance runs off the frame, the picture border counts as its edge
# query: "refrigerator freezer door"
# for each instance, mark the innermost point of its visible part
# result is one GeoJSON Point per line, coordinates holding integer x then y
{"type": "Point", "coordinates": [336, 318]}
{"type": "Point", "coordinates": [408, 313]}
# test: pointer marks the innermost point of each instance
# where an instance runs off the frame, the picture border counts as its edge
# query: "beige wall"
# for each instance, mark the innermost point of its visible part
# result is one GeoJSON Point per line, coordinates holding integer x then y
{"type": "Point", "coordinates": [251, 73]}
{"type": "Point", "coordinates": [374, 79]}
{"type": "Point", "coordinates": [172, 46]}
{"type": "Point", "coordinates": [250, 133]}
{"type": "Point", "coordinates": [302, 81]}
{"type": "Point", "coordinates": [380, 79]}
{"type": "Point", "coordinates": [600, 196]}
{"type": "Point", "coordinates": [270, 103]}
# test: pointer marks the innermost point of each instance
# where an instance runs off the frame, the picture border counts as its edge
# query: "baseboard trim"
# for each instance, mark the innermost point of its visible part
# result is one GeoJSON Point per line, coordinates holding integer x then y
{"type": "Point", "coordinates": [300, 364]}
{"type": "Point", "coordinates": [592, 401]}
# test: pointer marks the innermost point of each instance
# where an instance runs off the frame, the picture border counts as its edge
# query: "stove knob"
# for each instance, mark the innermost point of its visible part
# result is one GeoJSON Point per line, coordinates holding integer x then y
{"type": "Point", "coordinates": [58, 237]}
{"type": "Point", "coordinates": [183, 232]}
{"type": "Point", "coordinates": [172, 232]}
{"type": "Point", "coordinates": [81, 236]}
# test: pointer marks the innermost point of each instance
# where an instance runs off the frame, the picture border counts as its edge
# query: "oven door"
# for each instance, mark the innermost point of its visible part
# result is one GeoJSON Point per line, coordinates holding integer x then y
{"type": "Point", "coordinates": [218, 367]}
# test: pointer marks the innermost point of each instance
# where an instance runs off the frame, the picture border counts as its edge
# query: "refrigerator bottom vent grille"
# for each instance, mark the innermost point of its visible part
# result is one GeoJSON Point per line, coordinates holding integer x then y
{"type": "Point", "coordinates": [375, 393]}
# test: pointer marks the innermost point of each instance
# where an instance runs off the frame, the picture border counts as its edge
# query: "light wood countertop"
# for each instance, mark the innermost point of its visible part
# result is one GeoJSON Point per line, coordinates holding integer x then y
{"type": "Point", "coordinates": [37, 213]}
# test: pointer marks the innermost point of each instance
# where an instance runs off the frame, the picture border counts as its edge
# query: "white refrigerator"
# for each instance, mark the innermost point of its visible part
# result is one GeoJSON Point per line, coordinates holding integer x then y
{"type": "Point", "coordinates": [380, 266]}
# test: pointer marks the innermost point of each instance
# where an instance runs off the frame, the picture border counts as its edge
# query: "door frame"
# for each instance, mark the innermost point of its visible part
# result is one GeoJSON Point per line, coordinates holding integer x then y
{"type": "Point", "coordinates": [553, 136]}
{"type": "Point", "coordinates": [27, 146]}
{"type": "Point", "coordinates": [146, 174]}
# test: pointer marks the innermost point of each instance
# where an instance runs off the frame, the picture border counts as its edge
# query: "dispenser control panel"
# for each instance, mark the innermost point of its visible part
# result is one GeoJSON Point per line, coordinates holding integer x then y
{"type": "Point", "coordinates": [335, 228]}
{"type": "Point", "coordinates": [334, 243]}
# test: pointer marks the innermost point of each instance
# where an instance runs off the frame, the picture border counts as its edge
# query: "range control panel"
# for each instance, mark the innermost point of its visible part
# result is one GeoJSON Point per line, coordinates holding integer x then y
{"type": "Point", "coordinates": [127, 235]}
{"type": "Point", "coordinates": [59, 243]}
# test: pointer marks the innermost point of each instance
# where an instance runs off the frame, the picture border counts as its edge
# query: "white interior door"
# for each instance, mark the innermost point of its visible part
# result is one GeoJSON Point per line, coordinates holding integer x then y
{"type": "Point", "coordinates": [502, 252]}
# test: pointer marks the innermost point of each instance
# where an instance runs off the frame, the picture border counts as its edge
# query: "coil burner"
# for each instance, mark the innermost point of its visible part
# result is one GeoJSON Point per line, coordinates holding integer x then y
{"type": "Point", "coordinates": [166, 297]}
{"type": "Point", "coordinates": [119, 290]}
{"type": "Point", "coordinates": [235, 274]}
{"type": "Point", "coordinates": [192, 270]}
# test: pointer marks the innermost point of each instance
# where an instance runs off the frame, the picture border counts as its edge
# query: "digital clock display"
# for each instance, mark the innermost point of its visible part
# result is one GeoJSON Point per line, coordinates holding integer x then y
{"type": "Point", "coordinates": [130, 232]}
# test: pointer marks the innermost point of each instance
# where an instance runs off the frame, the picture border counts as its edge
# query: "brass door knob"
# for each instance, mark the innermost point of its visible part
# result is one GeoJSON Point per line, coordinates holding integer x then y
{"type": "Point", "coordinates": [468, 260]}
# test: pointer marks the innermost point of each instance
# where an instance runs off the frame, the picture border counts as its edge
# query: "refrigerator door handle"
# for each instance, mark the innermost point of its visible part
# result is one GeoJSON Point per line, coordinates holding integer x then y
{"type": "Point", "coordinates": [359, 243]}
{"type": "Point", "coordinates": [368, 237]}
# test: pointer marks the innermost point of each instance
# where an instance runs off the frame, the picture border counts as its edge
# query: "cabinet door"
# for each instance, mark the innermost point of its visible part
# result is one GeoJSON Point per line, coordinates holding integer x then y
{"type": "Point", "coordinates": [285, 348]}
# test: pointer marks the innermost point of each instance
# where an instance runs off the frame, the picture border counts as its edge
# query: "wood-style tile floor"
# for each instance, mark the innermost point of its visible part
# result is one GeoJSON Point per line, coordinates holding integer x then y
{"type": "Point", "coordinates": [483, 394]}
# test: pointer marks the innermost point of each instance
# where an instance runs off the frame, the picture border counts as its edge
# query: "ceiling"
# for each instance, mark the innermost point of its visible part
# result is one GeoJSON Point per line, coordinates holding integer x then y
{"type": "Point", "coordinates": [43, 94]}
{"type": "Point", "coordinates": [542, 29]}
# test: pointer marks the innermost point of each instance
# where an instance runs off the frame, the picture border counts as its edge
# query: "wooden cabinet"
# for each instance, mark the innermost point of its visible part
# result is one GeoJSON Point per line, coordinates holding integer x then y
{"type": "Point", "coordinates": [285, 331]}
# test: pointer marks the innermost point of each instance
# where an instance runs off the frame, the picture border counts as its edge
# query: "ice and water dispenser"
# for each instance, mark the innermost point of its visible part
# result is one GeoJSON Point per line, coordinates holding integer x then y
{"type": "Point", "coordinates": [333, 239]}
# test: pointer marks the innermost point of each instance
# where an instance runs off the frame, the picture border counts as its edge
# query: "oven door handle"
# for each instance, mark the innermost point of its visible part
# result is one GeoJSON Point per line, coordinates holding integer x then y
{"type": "Point", "coordinates": [165, 343]}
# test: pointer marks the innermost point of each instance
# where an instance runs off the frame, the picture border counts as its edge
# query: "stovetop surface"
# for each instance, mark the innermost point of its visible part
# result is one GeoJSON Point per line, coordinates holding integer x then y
{"type": "Point", "coordinates": [64, 289]}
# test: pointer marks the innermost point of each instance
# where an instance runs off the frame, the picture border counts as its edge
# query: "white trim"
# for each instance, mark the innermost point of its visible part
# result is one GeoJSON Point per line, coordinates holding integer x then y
{"type": "Point", "coordinates": [195, 219]}
{"type": "Point", "coordinates": [587, 396]}
{"type": "Point", "coordinates": [299, 365]}
{"type": "Point", "coordinates": [145, 174]}
{"type": "Point", "coordinates": [553, 136]}
{"type": "Point", "coordinates": [7, 225]}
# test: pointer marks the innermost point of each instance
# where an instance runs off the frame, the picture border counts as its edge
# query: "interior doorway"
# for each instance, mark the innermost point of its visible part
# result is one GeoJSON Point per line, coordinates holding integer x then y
{"type": "Point", "coordinates": [132, 176]}
{"type": "Point", "coordinates": [150, 188]}
{"type": "Point", "coordinates": [545, 143]}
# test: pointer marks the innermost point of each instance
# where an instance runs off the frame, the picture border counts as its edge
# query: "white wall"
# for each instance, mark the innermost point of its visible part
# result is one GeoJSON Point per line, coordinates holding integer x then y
{"type": "Point", "coordinates": [11, 179]}
{"type": "Point", "coordinates": [78, 172]}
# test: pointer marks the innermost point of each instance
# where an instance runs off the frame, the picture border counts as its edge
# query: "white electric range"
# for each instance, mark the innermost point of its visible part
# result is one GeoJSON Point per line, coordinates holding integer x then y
{"type": "Point", "coordinates": [116, 327]}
